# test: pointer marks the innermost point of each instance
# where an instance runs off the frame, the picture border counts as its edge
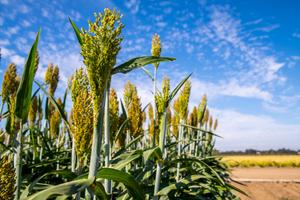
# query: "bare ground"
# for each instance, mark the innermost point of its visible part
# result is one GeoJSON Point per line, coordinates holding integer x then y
{"type": "Point", "coordinates": [268, 183]}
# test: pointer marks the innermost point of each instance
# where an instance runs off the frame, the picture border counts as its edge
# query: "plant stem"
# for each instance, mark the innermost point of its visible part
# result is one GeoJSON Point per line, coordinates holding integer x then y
{"type": "Point", "coordinates": [154, 105]}
{"type": "Point", "coordinates": [19, 162]}
{"type": "Point", "coordinates": [179, 146]}
{"type": "Point", "coordinates": [73, 156]}
{"type": "Point", "coordinates": [107, 182]}
{"type": "Point", "coordinates": [96, 145]}
{"type": "Point", "coordinates": [162, 139]}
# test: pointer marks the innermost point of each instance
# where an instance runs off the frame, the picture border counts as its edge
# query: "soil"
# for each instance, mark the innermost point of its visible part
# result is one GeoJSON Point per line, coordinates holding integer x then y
{"type": "Point", "coordinates": [268, 183]}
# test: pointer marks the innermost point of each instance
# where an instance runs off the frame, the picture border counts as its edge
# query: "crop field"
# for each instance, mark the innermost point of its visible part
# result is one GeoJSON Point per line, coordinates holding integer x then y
{"type": "Point", "coordinates": [262, 160]}
{"type": "Point", "coordinates": [103, 147]}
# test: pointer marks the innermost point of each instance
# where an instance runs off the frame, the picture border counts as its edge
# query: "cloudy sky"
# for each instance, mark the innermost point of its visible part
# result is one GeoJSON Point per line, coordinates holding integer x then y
{"type": "Point", "coordinates": [245, 55]}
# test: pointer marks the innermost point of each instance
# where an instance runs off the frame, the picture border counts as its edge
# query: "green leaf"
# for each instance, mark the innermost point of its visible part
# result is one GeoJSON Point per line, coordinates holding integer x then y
{"type": "Point", "coordinates": [121, 129]}
{"type": "Point", "coordinates": [181, 184]}
{"type": "Point", "coordinates": [120, 165]}
{"type": "Point", "coordinates": [153, 152]}
{"type": "Point", "coordinates": [64, 173]}
{"type": "Point", "coordinates": [99, 190]}
{"type": "Point", "coordinates": [23, 98]}
{"type": "Point", "coordinates": [139, 62]}
{"type": "Point", "coordinates": [53, 101]}
{"type": "Point", "coordinates": [119, 176]}
{"type": "Point", "coordinates": [177, 88]}
{"type": "Point", "coordinates": [199, 129]}
{"type": "Point", "coordinates": [77, 31]}
{"type": "Point", "coordinates": [148, 73]}
{"type": "Point", "coordinates": [122, 177]}
{"type": "Point", "coordinates": [68, 189]}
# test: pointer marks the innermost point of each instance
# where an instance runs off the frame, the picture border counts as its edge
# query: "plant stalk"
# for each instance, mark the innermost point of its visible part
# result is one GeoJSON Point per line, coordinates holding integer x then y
{"type": "Point", "coordinates": [179, 146]}
{"type": "Point", "coordinates": [154, 105]}
{"type": "Point", "coordinates": [162, 139]}
{"type": "Point", "coordinates": [19, 162]}
{"type": "Point", "coordinates": [107, 183]}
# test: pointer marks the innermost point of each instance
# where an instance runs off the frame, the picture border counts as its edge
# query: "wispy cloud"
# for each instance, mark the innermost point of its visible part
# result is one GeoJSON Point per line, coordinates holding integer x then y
{"type": "Point", "coordinates": [296, 35]}
{"type": "Point", "coordinates": [243, 131]}
{"type": "Point", "coordinates": [133, 5]}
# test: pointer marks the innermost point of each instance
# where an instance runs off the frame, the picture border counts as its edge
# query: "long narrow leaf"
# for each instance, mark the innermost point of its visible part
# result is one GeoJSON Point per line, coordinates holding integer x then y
{"type": "Point", "coordinates": [68, 189]}
{"type": "Point", "coordinates": [139, 62]}
{"type": "Point", "coordinates": [23, 99]}
{"type": "Point", "coordinates": [77, 31]}
{"type": "Point", "coordinates": [53, 101]}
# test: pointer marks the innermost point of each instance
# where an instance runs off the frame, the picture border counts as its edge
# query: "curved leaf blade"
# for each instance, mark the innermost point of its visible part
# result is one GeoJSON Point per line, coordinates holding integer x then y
{"type": "Point", "coordinates": [139, 62]}
{"type": "Point", "coordinates": [23, 98]}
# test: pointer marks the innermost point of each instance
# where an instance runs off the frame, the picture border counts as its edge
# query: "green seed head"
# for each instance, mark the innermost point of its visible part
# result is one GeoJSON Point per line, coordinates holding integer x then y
{"type": "Point", "coordinates": [82, 124]}
{"type": "Point", "coordinates": [101, 44]}
{"type": "Point", "coordinates": [156, 46]}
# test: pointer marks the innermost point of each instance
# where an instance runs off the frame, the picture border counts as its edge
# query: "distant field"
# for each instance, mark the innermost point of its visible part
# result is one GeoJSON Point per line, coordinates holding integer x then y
{"type": "Point", "coordinates": [262, 160]}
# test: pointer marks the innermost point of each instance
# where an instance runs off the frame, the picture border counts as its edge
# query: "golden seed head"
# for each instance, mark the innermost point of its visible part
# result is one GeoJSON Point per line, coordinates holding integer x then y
{"type": "Point", "coordinates": [101, 44]}
{"type": "Point", "coordinates": [36, 61]}
{"type": "Point", "coordinates": [33, 111]}
{"type": "Point", "coordinates": [206, 116]}
{"type": "Point", "coordinates": [10, 82]}
{"type": "Point", "coordinates": [79, 82]}
{"type": "Point", "coordinates": [151, 121]}
{"type": "Point", "coordinates": [215, 124]}
{"type": "Point", "coordinates": [161, 99]}
{"type": "Point", "coordinates": [175, 123]}
{"type": "Point", "coordinates": [113, 113]}
{"type": "Point", "coordinates": [184, 100]}
{"type": "Point", "coordinates": [210, 122]}
{"type": "Point", "coordinates": [82, 114]}
{"type": "Point", "coordinates": [202, 107]}
{"type": "Point", "coordinates": [193, 119]}
{"type": "Point", "coordinates": [156, 46]}
{"type": "Point", "coordinates": [52, 78]}
{"type": "Point", "coordinates": [55, 121]}
{"type": "Point", "coordinates": [133, 105]}
{"type": "Point", "coordinates": [82, 124]}
{"type": "Point", "coordinates": [7, 179]}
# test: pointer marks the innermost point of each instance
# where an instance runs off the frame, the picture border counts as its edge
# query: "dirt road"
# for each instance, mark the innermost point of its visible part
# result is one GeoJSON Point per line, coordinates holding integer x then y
{"type": "Point", "coordinates": [268, 183]}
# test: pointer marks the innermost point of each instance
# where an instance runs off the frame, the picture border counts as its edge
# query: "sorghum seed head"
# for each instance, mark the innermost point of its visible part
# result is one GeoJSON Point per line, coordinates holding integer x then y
{"type": "Point", "coordinates": [156, 46]}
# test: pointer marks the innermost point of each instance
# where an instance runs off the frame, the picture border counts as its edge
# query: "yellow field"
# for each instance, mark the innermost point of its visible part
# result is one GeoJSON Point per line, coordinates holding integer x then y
{"type": "Point", "coordinates": [262, 160]}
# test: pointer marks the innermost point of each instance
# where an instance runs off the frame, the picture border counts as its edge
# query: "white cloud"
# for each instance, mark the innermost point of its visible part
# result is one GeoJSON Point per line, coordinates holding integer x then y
{"type": "Point", "coordinates": [12, 30]}
{"type": "Point", "coordinates": [1, 21]}
{"type": "Point", "coordinates": [4, 42]}
{"type": "Point", "coordinates": [133, 5]}
{"type": "Point", "coordinates": [5, 2]}
{"type": "Point", "coordinates": [232, 88]}
{"type": "Point", "coordinates": [296, 35]}
{"type": "Point", "coordinates": [241, 131]}
{"type": "Point", "coordinates": [23, 9]}
{"type": "Point", "coordinates": [18, 60]}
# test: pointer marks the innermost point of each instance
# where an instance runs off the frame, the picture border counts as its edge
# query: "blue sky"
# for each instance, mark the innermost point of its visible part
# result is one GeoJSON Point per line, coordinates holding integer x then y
{"type": "Point", "coordinates": [245, 55]}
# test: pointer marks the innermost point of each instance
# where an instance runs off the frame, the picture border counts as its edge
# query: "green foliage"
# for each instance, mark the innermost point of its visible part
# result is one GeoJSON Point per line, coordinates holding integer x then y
{"type": "Point", "coordinates": [136, 168]}
{"type": "Point", "coordinates": [23, 98]}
